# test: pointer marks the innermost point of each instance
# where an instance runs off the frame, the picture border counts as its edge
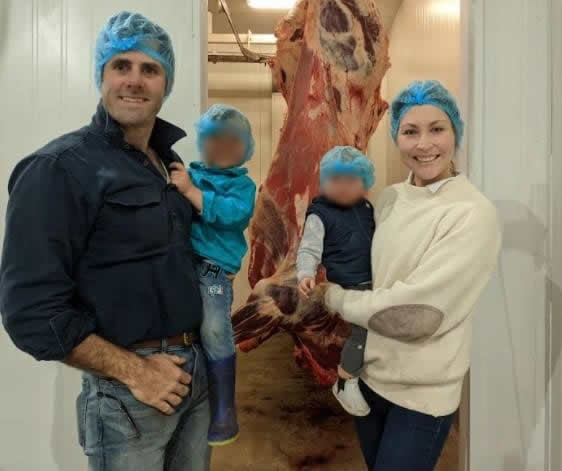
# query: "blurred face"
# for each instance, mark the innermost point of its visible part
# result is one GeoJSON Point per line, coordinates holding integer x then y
{"type": "Point", "coordinates": [426, 140]}
{"type": "Point", "coordinates": [224, 151]}
{"type": "Point", "coordinates": [133, 89]}
{"type": "Point", "coordinates": [345, 190]}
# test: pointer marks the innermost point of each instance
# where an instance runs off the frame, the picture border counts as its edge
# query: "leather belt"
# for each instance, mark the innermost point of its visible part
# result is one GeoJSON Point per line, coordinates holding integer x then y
{"type": "Point", "coordinates": [187, 338]}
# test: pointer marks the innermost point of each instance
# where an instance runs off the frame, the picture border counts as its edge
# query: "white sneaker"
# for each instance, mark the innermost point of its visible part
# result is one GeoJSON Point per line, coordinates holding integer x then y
{"type": "Point", "coordinates": [350, 397]}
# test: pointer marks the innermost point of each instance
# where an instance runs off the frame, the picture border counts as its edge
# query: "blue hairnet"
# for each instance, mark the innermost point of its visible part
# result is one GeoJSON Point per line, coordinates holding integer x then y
{"type": "Point", "coordinates": [430, 92]}
{"type": "Point", "coordinates": [128, 31]}
{"type": "Point", "coordinates": [225, 119]}
{"type": "Point", "coordinates": [347, 160]}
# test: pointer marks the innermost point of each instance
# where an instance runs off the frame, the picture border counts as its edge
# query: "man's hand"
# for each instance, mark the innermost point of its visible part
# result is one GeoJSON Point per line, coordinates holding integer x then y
{"type": "Point", "coordinates": [161, 382]}
{"type": "Point", "coordinates": [157, 380]}
{"type": "Point", "coordinates": [306, 285]}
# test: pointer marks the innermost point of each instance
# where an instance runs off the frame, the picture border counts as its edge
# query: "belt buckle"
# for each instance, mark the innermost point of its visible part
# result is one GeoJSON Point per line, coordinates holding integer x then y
{"type": "Point", "coordinates": [188, 338]}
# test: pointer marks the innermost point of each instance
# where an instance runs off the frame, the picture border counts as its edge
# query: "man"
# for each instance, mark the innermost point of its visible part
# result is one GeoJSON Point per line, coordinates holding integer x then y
{"type": "Point", "coordinates": [97, 266]}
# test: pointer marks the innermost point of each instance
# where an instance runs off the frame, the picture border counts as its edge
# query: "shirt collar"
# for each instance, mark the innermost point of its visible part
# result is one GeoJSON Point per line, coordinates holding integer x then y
{"type": "Point", "coordinates": [436, 186]}
{"type": "Point", "coordinates": [164, 134]}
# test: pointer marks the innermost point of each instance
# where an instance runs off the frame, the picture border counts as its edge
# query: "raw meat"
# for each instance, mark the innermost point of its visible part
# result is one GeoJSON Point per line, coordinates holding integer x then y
{"type": "Point", "coordinates": [331, 58]}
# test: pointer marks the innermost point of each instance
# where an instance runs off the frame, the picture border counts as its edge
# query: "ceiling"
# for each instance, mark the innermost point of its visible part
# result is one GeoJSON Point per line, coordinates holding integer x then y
{"type": "Point", "coordinates": [264, 21]}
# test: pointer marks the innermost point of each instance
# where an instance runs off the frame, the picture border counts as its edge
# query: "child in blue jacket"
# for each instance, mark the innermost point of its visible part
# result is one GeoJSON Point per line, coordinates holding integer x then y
{"type": "Point", "coordinates": [223, 194]}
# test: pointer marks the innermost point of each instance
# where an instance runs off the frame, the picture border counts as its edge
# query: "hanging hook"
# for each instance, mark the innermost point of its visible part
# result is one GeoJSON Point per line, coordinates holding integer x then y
{"type": "Point", "coordinates": [251, 56]}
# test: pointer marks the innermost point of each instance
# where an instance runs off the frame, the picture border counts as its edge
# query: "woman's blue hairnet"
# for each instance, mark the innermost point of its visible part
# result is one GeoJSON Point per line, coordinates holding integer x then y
{"type": "Point", "coordinates": [128, 31]}
{"type": "Point", "coordinates": [429, 92]}
{"type": "Point", "coordinates": [347, 160]}
{"type": "Point", "coordinates": [225, 119]}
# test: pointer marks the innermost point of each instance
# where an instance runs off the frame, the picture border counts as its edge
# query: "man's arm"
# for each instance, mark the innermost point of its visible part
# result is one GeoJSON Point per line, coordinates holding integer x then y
{"type": "Point", "coordinates": [158, 380]}
{"type": "Point", "coordinates": [47, 222]}
{"type": "Point", "coordinates": [101, 357]}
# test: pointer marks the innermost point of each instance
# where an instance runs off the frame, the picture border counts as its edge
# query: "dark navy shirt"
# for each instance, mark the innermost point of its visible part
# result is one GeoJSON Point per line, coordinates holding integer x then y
{"type": "Point", "coordinates": [97, 242]}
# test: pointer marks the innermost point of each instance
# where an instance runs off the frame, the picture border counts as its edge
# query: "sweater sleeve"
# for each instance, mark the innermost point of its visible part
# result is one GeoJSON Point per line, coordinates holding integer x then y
{"type": "Point", "coordinates": [311, 247]}
{"type": "Point", "coordinates": [439, 293]}
{"type": "Point", "coordinates": [233, 209]}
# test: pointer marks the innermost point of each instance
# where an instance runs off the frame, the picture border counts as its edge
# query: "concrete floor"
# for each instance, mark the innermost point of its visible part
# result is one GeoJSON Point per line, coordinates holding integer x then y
{"type": "Point", "coordinates": [288, 423]}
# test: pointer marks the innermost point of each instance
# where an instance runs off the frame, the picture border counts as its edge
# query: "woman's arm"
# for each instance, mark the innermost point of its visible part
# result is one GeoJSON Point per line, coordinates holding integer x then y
{"type": "Point", "coordinates": [439, 293]}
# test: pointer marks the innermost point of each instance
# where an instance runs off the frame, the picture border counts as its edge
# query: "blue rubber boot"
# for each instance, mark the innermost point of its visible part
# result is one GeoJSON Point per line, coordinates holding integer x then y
{"type": "Point", "coordinates": [222, 382]}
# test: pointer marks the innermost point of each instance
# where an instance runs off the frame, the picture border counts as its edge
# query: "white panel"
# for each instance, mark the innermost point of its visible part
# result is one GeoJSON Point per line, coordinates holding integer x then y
{"type": "Point", "coordinates": [555, 344]}
{"type": "Point", "coordinates": [47, 89]}
{"type": "Point", "coordinates": [509, 152]}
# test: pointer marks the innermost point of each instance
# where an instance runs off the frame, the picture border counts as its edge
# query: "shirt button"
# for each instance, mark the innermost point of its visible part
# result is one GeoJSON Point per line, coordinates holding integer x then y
{"type": "Point", "coordinates": [146, 162]}
{"type": "Point", "coordinates": [126, 147]}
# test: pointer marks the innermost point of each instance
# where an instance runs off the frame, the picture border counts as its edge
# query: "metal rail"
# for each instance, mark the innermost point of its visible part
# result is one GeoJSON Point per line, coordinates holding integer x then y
{"type": "Point", "coordinates": [247, 54]}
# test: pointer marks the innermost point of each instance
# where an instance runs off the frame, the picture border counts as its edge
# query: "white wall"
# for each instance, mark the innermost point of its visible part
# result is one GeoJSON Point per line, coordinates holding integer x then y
{"type": "Point", "coordinates": [554, 344]}
{"type": "Point", "coordinates": [47, 89]}
{"type": "Point", "coordinates": [510, 158]}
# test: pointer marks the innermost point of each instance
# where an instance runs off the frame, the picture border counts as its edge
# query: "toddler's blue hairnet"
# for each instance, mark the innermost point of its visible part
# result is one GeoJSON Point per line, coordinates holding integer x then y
{"type": "Point", "coordinates": [347, 160]}
{"type": "Point", "coordinates": [128, 31]}
{"type": "Point", "coordinates": [225, 119]}
{"type": "Point", "coordinates": [429, 92]}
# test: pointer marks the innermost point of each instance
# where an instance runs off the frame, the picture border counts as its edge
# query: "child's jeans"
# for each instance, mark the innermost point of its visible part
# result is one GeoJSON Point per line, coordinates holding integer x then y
{"type": "Point", "coordinates": [216, 330]}
{"type": "Point", "coordinates": [353, 351]}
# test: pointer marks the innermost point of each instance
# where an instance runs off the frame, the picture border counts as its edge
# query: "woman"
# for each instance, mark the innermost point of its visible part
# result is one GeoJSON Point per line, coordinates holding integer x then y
{"type": "Point", "coordinates": [435, 247]}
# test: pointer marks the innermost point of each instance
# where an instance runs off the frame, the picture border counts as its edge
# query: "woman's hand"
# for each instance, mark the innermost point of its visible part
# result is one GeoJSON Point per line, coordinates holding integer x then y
{"type": "Point", "coordinates": [306, 285]}
{"type": "Point", "coordinates": [330, 289]}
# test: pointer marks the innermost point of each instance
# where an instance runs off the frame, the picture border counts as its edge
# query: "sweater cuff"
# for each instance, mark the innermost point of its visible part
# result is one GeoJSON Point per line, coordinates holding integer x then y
{"type": "Point", "coordinates": [335, 301]}
{"type": "Point", "coordinates": [333, 298]}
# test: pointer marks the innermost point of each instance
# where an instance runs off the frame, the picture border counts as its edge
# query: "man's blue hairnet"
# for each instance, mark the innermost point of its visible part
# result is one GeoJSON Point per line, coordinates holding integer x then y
{"type": "Point", "coordinates": [128, 31]}
{"type": "Point", "coordinates": [225, 119]}
{"type": "Point", "coordinates": [347, 160]}
{"type": "Point", "coordinates": [429, 92]}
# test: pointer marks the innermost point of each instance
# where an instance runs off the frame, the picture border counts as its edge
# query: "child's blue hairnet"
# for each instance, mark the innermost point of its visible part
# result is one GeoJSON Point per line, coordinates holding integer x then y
{"type": "Point", "coordinates": [225, 119]}
{"type": "Point", "coordinates": [347, 160]}
{"type": "Point", "coordinates": [128, 31]}
{"type": "Point", "coordinates": [429, 92]}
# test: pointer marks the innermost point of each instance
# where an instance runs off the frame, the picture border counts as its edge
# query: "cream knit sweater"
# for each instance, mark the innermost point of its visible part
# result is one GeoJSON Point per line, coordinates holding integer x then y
{"type": "Point", "coordinates": [433, 253]}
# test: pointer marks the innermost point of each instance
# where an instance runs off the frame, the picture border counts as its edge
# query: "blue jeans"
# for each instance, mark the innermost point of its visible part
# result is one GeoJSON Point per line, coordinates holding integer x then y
{"type": "Point", "coordinates": [119, 433]}
{"type": "Point", "coordinates": [393, 438]}
{"type": "Point", "coordinates": [216, 332]}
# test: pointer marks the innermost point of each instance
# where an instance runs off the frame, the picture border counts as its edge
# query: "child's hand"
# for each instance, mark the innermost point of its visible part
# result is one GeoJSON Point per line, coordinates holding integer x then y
{"type": "Point", "coordinates": [306, 286]}
{"type": "Point", "coordinates": [180, 178]}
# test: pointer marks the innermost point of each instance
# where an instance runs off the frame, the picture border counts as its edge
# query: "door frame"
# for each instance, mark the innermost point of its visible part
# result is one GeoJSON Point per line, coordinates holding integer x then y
{"type": "Point", "coordinates": [479, 40]}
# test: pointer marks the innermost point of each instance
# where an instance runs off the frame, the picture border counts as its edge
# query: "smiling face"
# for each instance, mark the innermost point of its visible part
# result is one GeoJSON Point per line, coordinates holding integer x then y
{"type": "Point", "coordinates": [133, 89]}
{"type": "Point", "coordinates": [426, 140]}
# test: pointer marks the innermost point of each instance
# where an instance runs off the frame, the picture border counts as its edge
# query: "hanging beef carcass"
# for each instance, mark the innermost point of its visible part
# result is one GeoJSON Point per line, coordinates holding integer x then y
{"type": "Point", "coordinates": [331, 58]}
